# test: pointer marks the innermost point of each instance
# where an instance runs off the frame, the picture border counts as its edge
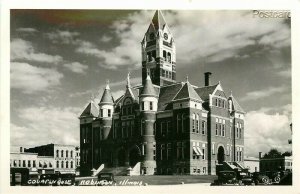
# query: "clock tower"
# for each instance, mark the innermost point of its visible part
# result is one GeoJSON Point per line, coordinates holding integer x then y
{"type": "Point", "coordinates": [159, 52]}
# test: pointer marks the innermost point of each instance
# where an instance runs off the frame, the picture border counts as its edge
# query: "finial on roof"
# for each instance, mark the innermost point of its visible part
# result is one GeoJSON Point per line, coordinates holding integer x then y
{"type": "Point", "coordinates": [219, 82]}
{"type": "Point", "coordinates": [187, 78]}
{"type": "Point", "coordinates": [231, 93]}
{"type": "Point", "coordinates": [107, 84]}
{"type": "Point", "coordinates": [148, 73]}
{"type": "Point", "coordinates": [128, 80]}
{"type": "Point", "coordinates": [92, 97]}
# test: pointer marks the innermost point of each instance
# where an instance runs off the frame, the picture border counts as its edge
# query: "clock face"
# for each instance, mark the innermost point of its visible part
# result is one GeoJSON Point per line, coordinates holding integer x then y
{"type": "Point", "coordinates": [165, 36]}
{"type": "Point", "coordinates": [151, 36]}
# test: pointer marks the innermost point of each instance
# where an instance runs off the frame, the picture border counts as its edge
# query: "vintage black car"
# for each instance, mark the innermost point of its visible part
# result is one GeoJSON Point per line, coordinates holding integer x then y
{"type": "Point", "coordinates": [226, 178]}
{"type": "Point", "coordinates": [106, 179]}
{"type": "Point", "coordinates": [274, 176]}
{"type": "Point", "coordinates": [245, 178]}
{"type": "Point", "coordinates": [260, 178]}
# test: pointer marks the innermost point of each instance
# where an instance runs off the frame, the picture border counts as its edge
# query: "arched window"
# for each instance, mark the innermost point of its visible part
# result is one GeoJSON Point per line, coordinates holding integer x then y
{"type": "Point", "coordinates": [193, 123]}
{"type": "Point", "coordinates": [62, 164]}
{"type": "Point", "coordinates": [67, 164]}
{"type": "Point", "coordinates": [57, 153]}
{"type": "Point", "coordinates": [169, 57]}
{"type": "Point", "coordinates": [197, 123]}
{"type": "Point", "coordinates": [71, 164]}
{"type": "Point", "coordinates": [178, 123]}
{"type": "Point", "coordinates": [57, 164]}
{"type": "Point", "coordinates": [67, 154]}
{"type": "Point", "coordinates": [165, 55]}
{"type": "Point", "coordinates": [62, 154]}
{"type": "Point", "coordinates": [183, 122]}
{"type": "Point", "coordinates": [71, 154]}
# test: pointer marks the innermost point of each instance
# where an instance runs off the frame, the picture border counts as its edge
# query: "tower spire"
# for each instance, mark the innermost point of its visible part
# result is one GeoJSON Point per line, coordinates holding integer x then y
{"type": "Point", "coordinates": [128, 80]}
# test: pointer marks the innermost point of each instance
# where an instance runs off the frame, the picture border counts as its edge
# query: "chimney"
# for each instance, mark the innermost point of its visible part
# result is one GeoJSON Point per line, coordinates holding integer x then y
{"type": "Point", "coordinates": [207, 75]}
{"type": "Point", "coordinates": [259, 155]}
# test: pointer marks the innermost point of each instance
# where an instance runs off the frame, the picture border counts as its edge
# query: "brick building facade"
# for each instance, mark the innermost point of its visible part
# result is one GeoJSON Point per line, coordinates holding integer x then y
{"type": "Point", "coordinates": [165, 126]}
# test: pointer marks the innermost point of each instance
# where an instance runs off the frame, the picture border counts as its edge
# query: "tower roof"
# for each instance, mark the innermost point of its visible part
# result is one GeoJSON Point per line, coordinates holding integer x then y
{"type": "Point", "coordinates": [187, 92]}
{"type": "Point", "coordinates": [158, 20]}
{"type": "Point", "coordinates": [90, 110]}
{"type": "Point", "coordinates": [235, 104]}
{"type": "Point", "coordinates": [107, 97]}
{"type": "Point", "coordinates": [148, 89]}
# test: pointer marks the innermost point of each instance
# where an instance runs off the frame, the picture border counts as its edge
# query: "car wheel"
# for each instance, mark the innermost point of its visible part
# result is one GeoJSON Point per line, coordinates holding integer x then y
{"type": "Point", "coordinates": [277, 179]}
{"type": "Point", "coordinates": [265, 180]}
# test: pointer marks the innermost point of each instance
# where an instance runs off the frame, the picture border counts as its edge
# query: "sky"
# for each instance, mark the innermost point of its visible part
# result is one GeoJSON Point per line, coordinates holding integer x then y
{"type": "Point", "coordinates": [61, 59]}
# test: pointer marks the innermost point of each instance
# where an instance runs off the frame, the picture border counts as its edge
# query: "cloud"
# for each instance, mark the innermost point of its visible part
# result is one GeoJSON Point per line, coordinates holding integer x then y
{"type": "Point", "coordinates": [63, 37]}
{"type": "Point", "coordinates": [208, 35]}
{"type": "Point", "coordinates": [265, 131]}
{"type": "Point", "coordinates": [31, 79]}
{"type": "Point", "coordinates": [43, 125]}
{"type": "Point", "coordinates": [285, 73]}
{"type": "Point", "coordinates": [23, 50]}
{"type": "Point", "coordinates": [76, 67]}
{"type": "Point", "coordinates": [118, 94]}
{"type": "Point", "coordinates": [105, 38]}
{"type": "Point", "coordinates": [254, 95]}
{"type": "Point", "coordinates": [28, 30]}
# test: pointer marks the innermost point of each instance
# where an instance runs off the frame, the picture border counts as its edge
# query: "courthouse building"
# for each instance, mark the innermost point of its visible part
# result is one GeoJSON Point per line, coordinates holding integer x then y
{"type": "Point", "coordinates": [163, 126]}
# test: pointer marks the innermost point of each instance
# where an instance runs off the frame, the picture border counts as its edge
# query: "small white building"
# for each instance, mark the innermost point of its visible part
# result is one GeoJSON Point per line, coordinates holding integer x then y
{"type": "Point", "coordinates": [251, 163]}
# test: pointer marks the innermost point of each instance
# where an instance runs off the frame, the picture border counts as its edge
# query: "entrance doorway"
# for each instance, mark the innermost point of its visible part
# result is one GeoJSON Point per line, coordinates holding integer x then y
{"type": "Point", "coordinates": [221, 155]}
{"type": "Point", "coordinates": [134, 156]}
{"type": "Point", "coordinates": [121, 157]}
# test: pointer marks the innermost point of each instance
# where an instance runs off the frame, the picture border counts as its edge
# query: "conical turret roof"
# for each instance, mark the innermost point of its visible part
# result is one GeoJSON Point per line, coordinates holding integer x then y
{"type": "Point", "coordinates": [106, 97]}
{"type": "Point", "coordinates": [148, 89]}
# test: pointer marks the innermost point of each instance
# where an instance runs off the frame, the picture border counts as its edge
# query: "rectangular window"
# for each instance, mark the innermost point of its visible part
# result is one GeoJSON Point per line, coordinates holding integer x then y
{"type": "Point", "coordinates": [203, 128]}
{"type": "Point", "coordinates": [101, 112]}
{"type": "Point", "coordinates": [109, 113]}
{"type": "Point", "coordinates": [203, 151]}
{"type": "Point", "coordinates": [143, 105]}
{"type": "Point", "coordinates": [151, 105]}
{"type": "Point", "coordinates": [216, 129]}
{"type": "Point", "coordinates": [223, 130]}
{"type": "Point", "coordinates": [154, 151]}
{"type": "Point", "coordinates": [240, 132]}
{"type": "Point", "coordinates": [169, 128]}
{"type": "Point", "coordinates": [169, 151]}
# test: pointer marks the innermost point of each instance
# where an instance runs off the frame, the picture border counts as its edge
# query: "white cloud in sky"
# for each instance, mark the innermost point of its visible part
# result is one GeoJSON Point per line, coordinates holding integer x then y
{"type": "Point", "coordinates": [258, 94]}
{"type": "Point", "coordinates": [264, 131]}
{"type": "Point", "coordinates": [28, 30]}
{"type": "Point", "coordinates": [76, 67]}
{"type": "Point", "coordinates": [23, 50]}
{"type": "Point", "coordinates": [210, 35]}
{"type": "Point", "coordinates": [43, 125]}
{"type": "Point", "coordinates": [105, 38]}
{"type": "Point", "coordinates": [64, 37]}
{"type": "Point", "coordinates": [30, 79]}
{"type": "Point", "coordinates": [285, 73]}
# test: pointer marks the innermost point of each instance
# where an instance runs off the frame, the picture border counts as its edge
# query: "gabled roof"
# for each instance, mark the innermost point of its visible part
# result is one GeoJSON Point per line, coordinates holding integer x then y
{"type": "Point", "coordinates": [90, 110]}
{"type": "Point", "coordinates": [204, 92]}
{"type": "Point", "coordinates": [107, 97]}
{"type": "Point", "coordinates": [158, 20]}
{"type": "Point", "coordinates": [187, 92]}
{"type": "Point", "coordinates": [235, 104]}
{"type": "Point", "coordinates": [166, 94]}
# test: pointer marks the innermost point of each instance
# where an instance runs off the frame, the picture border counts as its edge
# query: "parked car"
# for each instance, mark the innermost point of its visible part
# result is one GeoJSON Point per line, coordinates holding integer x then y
{"type": "Point", "coordinates": [226, 178]}
{"type": "Point", "coordinates": [106, 179]}
{"type": "Point", "coordinates": [260, 178]}
{"type": "Point", "coordinates": [245, 178]}
{"type": "Point", "coordinates": [274, 176]}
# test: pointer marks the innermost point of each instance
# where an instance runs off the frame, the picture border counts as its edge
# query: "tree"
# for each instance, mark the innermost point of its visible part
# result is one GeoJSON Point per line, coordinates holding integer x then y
{"type": "Point", "coordinates": [287, 153]}
{"type": "Point", "coordinates": [273, 153]}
